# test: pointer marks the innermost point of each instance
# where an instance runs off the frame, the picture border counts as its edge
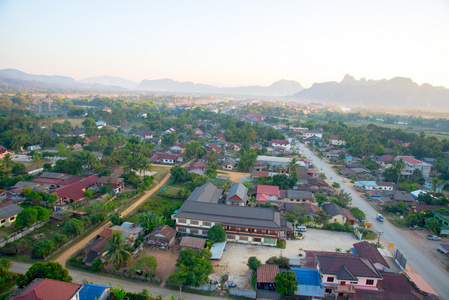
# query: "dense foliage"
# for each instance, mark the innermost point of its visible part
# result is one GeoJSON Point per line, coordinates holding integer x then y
{"type": "Point", "coordinates": [52, 270]}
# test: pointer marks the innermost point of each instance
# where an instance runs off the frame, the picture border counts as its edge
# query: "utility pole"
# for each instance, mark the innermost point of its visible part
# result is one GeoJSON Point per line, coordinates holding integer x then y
{"type": "Point", "coordinates": [378, 238]}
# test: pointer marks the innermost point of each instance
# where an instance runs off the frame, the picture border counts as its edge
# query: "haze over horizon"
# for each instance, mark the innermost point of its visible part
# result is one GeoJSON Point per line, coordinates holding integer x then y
{"type": "Point", "coordinates": [231, 43]}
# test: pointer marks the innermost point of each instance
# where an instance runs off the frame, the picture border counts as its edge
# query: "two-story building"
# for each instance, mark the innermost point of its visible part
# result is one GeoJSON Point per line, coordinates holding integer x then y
{"type": "Point", "coordinates": [341, 276]}
{"type": "Point", "coordinates": [280, 143]}
{"type": "Point", "coordinates": [412, 164]}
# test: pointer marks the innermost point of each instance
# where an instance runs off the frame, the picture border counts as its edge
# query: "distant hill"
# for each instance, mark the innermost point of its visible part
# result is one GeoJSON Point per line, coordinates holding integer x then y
{"type": "Point", "coordinates": [11, 78]}
{"type": "Point", "coordinates": [110, 80]}
{"type": "Point", "coordinates": [278, 89]}
{"type": "Point", "coordinates": [398, 91]}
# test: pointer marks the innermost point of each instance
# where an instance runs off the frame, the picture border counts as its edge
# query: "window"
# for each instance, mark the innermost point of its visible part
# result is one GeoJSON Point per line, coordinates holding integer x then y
{"type": "Point", "coordinates": [257, 240]}
{"type": "Point", "coordinates": [182, 221]}
{"type": "Point", "coordinates": [328, 291]}
{"type": "Point", "coordinates": [194, 222]}
{"type": "Point", "coordinates": [369, 282]}
{"type": "Point", "coordinates": [230, 237]}
{"type": "Point", "coordinates": [3, 221]}
{"type": "Point", "coordinates": [182, 230]}
{"type": "Point", "coordinates": [207, 223]}
{"type": "Point", "coordinates": [330, 279]}
{"type": "Point", "coordinates": [204, 232]}
{"type": "Point", "coordinates": [12, 218]}
{"type": "Point", "coordinates": [194, 231]}
{"type": "Point", "coordinates": [243, 238]}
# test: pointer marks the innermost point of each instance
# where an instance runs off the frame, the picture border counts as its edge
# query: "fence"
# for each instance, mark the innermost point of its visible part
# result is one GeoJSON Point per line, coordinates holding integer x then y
{"type": "Point", "coordinates": [165, 187]}
{"type": "Point", "coordinates": [173, 196]}
{"type": "Point", "coordinates": [243, 293]}
{"type": "Point", "coordinates": [20, 233]}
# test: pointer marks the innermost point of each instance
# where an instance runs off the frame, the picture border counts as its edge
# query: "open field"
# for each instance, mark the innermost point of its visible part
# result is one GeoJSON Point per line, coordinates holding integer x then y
{"type": "Point", "coordinates": [73, 121]}
{"type": "Point", "coordinates": [234, 176]}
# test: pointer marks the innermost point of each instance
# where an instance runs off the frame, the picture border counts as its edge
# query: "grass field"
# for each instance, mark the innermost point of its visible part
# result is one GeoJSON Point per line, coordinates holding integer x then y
{"type": "Point", "coordinates": [73, 121]}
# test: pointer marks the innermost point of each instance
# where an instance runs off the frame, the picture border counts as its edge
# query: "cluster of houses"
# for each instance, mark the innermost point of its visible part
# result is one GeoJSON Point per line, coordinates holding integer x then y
{"type": "Point", "coordinates": [364, 273]}
{"type": "Point", "coordinates": [54, 289]}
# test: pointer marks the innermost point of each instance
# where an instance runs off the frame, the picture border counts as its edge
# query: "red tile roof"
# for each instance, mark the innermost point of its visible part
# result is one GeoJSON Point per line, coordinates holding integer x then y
{"type": "Point", "coordinates": [410, 160]}
{"type": "Point", "coordinates": [48, 289]}
{"type": "Point", "coordinates": [267, 189]}
{"type": "Point", "coordinates": [165, 230]}
{"type": "Point", "coordinates": [266, 273]}
{"type": "Point", "coordinates": [281, 142]}
{"type": "Point", "coordinates": [192, 242]}
{"type": "Point", "coordinates": [107, 233]}
{"type": "Point", "coordinates": [75, 191]}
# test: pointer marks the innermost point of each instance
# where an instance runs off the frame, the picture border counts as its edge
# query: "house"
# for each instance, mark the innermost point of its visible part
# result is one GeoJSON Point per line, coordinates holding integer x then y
{"type": "Point", "coordinates": [198, 132]}
{"type": "Point", "coordinates": [312, 133]}
{"type": "Point", "coordinates": [79, 133]}
{"type": "Point", "coordinates": [95, 250]}
{"type": "Point", "coordinates": [344, 275]}
{"type": "Point", "coordinates": [412, 164]}
{"type": "Point", "coordinates": [336, 140]}
{"type": "Point", "coordinates": [213, 147]}
{"type": "Point", "coordinates": [75, 191]}
{"type": "Point", "coordinates": [296, 196]}
{"type": "Point", "coordinates": [130, 232]}
{"type": "Point", "coordinates": [192, 243]}
{"type": "Point", "coordinates": [309, 283]}
{"type": "Point", "coordinates": [100, 124]}
{"type": "Point", "coordinates": [265, 276]}
{"type": "Point", "coordinates": [48, 289]}
{"type": "Point", "coordinates": [280, 143]}
{"type": "Point", "coordinates": [56, 180]}
{"type": "Point", "coordinates": [161, 237]}
{"type": "Point", "coordinates": [207, 193]}
{"type": "Point", "coordinates": [229, 164]}
{"type": "Point", "coordinates": [236, 146]}
{"type": "Point", "coordinates": [142, 115]}
{"type": "Point", "coordinates": [238, 195]}
{"type": "Point", "coordinates": [8, 214]}
{"type": "Point", "coordinates": [91, 291]}
{"type": "Point", "coordinates": [116, 182]}
{"type": "Point", "coordinates": [266, 193]}
{"type": "Point", "coordinates": [178, 147]}
{"type": "Point", "coordinates": [249, 225]}
{"type": "Point", "coordinates": [298, 129]}
{"type": "Point", "coordinates": [443, 218]}
{"type": "Point", "coordinates": [167, 158]}
{"type": "Point", "coordinates": [198, 165]}
{"type": "Point", "coordinates": [369, 251]}
{"type": "Point", "coordinates": [107, 109]}
{"type": "Point", "coordinates": [4, 151]}
{"type": "Point", "coordinates": [396, 196]}
{"type": "Point", "coordinates": [33, 148]}
{"type": "Point", "coordinates": [338, 214]}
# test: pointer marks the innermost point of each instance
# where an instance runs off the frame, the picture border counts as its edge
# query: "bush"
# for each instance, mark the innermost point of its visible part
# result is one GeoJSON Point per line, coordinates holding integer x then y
{"type": "Point", "coordinates": [368, 234]}
{"type": "Point", "coordinates": [42, 248]}
{"type": "Point", "coordinates": [97, 264]}
{"type": "Point", "coordinates": [59, 238]}
{"type": "Point", "coordinates": [334, 227]}
{"type": "Point", "coordinates": [74, 226]}
{"type": "Point", "coordinates": [253, 263]}
{"type": "Point", "coordinates": [281, 261]}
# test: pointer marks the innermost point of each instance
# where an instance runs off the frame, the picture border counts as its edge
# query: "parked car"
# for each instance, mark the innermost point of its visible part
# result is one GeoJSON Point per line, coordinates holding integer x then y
{"type": "Point", "coordinates": [433, 237]}
{"type": "Point", "coordinates": [414, 227]}
{"type": "Point", "coordinates": [380, 217]}
{"type": "Point", "coordinates": [344, 180]}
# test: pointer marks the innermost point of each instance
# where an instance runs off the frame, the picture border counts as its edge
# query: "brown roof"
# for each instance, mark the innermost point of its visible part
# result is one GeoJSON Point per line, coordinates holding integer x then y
{"type": "Point", "coordinates": [42, 180]}
{"type": "Point", "coordinates": [48, 289]}
{"type": "Point", "coordinates": [192, 242]}
{"type": "Point", "coordinates": [75, 191]}
{"type": "Point", "coordinates": [368, 250]}
{"type": "Point", "coordinates": [106, 179]}
{"type": "Point", "coordinates": [260, 173]}
{"type": "Point", "coordinates": [70, 180]}
{"type": "Point", "coordinates": [266, 273]}
{"type": "Point", "coordinates": [98, 245]}
{"type": "Point", "coordinates": [165, 230]}
{"type": "Point", "coordinates": [107, 233]}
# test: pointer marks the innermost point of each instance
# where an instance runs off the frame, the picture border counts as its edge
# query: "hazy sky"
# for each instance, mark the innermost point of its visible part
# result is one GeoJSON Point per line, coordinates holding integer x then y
{"type": "Point", "coordinates": [228, 42]}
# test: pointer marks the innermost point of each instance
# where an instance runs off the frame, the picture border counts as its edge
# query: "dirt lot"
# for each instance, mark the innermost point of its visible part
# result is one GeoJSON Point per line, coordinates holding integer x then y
{"type": "Point", "coordinates": [234, 176]}
{"type": "Point", "coordinates": [166, 261]}
{"type": "Point", "coordinates": [236, 256]}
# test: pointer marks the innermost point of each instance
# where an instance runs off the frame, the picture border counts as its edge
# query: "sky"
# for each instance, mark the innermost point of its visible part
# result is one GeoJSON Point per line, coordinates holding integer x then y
{"type": "Point", "coordinates": [228, 43]}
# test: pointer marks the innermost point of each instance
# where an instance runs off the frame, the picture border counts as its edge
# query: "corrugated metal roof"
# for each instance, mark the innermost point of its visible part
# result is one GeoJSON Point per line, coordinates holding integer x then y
{"type": "Point", "coordinates": [192, 242]}
{"type": "Point", "coordinates": [266, 273]}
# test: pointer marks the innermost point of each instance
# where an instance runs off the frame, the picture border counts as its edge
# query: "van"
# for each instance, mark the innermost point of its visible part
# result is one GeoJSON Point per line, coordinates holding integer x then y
{"type": "Point", "coordinates": [344, 180]}
{"type": "Point", "coordinates": [301, 228]}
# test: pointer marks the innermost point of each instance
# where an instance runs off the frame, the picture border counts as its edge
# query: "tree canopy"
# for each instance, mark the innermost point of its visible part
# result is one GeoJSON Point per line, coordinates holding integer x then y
{"type": "Point", "coordinates": [286, 283]}
{"type": "Point", "coordinates": [51, 270]}
{"type": "Point", "coordinates": [216, 234]}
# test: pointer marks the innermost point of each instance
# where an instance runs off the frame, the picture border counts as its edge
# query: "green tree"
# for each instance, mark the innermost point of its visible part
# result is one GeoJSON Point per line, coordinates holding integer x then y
{"type": "Point", "coordinates": [286, 283]}
{"type": "Point", "coordinates": [117, 250]}
{"type": "Point", "coordinates": [51, 270]}
{"type": "Point", "coordinates": [97, 264]}
{"type": "Point", "coordinates": [148, 265]}
{"type": "Point", "coordinates": [115, 219]}
{"type": "Point", "coordinates": [216, 234]}
{"type": "Point", "coordinates": [253, 263]}
{"type": "Point", "coordinates": [43, 214]}
{"type": "Point", "coordinates": [336, 185]}
{"type": "Point", "coordinates": [88, 193]}
{"type": "Point", "coordinates": [18, 169]}
{"type": "Point", "coordinates": [37, 160]}
{"type": "Point", "coordinates": [118, 292]}
{"type": "Point", "coordinates": [320, 198]}
{"type": "Point", "coordinates": [179, 173]}
{"type": "Point", "coordinates": [42, 248]}
{"type": "Point", "coordinates": [5, 275]}
{"type": "Point", "coordinates": [74, 226]}
{"type": "Point", "coordinates": [281, 261]}
{"type": "Point", "coordinates": [192, 268]}
{"type": "Point", "coordinates": [26, 217]}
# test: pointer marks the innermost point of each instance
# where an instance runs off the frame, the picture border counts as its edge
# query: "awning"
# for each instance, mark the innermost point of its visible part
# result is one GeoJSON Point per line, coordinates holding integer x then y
{"type": "Point", "coordinates": [217, 250]}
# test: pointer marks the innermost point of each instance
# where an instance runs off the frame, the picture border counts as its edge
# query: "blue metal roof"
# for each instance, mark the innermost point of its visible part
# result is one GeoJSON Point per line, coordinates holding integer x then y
{"type": "Point", "coordinates": [309, 283]}
{"type": "Point", "coordinates": [92, 291]}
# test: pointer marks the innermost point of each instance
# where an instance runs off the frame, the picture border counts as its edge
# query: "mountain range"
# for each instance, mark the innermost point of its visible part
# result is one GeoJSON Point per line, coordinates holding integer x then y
{"type": "Point", "coordinates": [398, 91]}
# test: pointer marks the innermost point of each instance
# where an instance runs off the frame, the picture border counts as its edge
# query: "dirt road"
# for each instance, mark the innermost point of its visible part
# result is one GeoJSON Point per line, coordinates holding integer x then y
{"type": "Point", "coordinates": [235, 176]}
{"type": "Point", "coordinates": [68, 253]}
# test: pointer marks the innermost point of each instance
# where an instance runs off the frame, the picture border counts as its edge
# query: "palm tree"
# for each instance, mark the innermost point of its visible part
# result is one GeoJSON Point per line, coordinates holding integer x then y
{"type": "Point", "coordinates": [117, 250]}
{"type": "Point", "coordinates": [291, 166]}
{"type": "Point", "coordinates": [7, 160]}
{"type": "Point", "coordinates": [37, 160]}
{"type": "Point", "coordinates": [436, 182]}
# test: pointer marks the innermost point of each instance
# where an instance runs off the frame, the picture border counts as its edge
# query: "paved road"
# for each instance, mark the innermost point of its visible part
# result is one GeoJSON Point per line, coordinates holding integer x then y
{"type": "Point", "coordinates": [436, 276]}
{"type": "Point", "coordinates": [128, 285]}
